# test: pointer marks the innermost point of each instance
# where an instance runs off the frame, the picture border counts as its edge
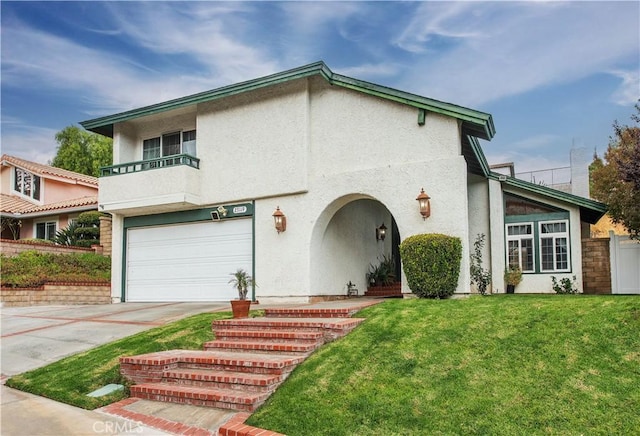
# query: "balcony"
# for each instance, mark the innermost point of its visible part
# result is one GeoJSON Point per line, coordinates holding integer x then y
{"type": "Point", "coordinates": [150, 186]}
{"type": "Point", "coordinates": [151, 164]}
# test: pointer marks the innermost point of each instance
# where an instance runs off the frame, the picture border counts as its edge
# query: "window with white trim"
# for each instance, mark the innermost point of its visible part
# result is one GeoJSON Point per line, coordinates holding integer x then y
{"type": "Point", "coordinates": [170, 144]}
{"type": "Point", "coordinates": [554, 245]}
{"type": "Point", "coordinates": [46, 230]}
{"type": "Point", "coordinates": [26, 183]}
{"type": "Point", "coordinates": [520, 246]}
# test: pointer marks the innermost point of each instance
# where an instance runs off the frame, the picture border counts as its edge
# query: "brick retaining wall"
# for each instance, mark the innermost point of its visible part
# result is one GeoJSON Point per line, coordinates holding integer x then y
{"type": "Point", "coordinates": [596, 266]}
{"type": "Point", "coordinates": [57, 294]}
{"type": "Point", "coordinates": [13, 248]}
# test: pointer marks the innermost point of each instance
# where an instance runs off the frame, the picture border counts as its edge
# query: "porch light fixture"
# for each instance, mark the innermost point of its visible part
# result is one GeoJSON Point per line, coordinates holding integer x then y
{"type": "Point", "coordinates": [381, 232]}
{"type": "Point", "coordinates": [280, 220]}
{"type": "Point", "coordinates": [425, 205]}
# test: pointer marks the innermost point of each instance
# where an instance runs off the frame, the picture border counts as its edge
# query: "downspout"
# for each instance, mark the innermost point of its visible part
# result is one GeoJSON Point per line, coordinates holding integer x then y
{"type": "Point", "coordinates": [253, 252]}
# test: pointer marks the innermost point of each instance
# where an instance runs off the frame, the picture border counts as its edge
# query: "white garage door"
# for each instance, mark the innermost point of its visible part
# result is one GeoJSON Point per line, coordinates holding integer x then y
{"type": "Point", "coordinates": [187, 262]}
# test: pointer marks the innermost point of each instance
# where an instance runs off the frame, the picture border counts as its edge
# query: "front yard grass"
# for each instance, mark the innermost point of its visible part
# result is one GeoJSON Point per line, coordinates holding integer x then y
{"type": "Point", "coordinates": [483, 365]}
{"type": "Point", "coordinates": [69, 380]}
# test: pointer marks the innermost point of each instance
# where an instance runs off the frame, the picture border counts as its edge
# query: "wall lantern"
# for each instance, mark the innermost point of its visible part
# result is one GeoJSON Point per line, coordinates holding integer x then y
{"type": "Point", "coordinates": [280, 220]}
{"type": "Point", "coordinates": [425, 205]}
{"type": "Point", "coordinates": [381, 232]}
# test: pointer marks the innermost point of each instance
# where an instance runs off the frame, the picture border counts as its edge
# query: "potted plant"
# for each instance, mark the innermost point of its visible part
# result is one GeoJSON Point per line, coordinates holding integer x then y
{"type": "Point", "coordinates": [512, 277]}
{"type": "Point", "coordinates": [241, 280]}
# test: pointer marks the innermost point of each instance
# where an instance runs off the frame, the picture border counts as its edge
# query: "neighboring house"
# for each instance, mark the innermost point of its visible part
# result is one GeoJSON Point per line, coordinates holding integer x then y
{"type": "Point", "coordinates": [195, 183]}
{"type": "Point", "coordinates": [38, 200]}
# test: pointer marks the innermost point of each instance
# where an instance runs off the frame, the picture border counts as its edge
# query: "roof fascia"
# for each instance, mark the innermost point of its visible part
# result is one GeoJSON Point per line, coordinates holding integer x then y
{"type": "Point", "coordinates": [54, 212]}
{"type": "Point", "coordinates": [482, 122]}
{"type": "Point", "coordinates": [477, 150]}
{"type": "Point", "coordinates": [593, 210]}
{"type": "Point", "coordinates": [296, 73]}
{"type": "Point", "coordinates": [481, 119]}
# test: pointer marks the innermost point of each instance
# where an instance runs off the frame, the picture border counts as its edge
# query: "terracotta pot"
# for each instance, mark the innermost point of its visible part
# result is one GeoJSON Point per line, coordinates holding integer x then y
{"type": "Point", "coordinates": [240, 308]}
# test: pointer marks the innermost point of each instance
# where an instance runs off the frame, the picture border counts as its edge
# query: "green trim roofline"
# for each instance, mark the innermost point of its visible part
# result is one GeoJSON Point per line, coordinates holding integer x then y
{"type": "Point", "coordinates": [474, 123]}
{"type": "Point", "coordinates": [590, 210]}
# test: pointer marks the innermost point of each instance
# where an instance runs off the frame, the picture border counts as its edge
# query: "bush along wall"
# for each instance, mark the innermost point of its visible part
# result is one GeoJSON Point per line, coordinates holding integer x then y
{"type": "Point", "coordinates": [431, 263]}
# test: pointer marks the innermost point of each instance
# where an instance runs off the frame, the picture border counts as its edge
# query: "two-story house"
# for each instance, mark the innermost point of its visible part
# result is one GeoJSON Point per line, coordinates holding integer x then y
{"type": "Point", "coordinates": [37, 200]}
{"type": "Point", "coordinates": [198, 185]}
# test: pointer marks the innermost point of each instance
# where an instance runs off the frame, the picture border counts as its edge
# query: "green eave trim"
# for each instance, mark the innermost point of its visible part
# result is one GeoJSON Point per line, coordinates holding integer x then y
{"type": "Point", "coordinates": [474, 123]}
{"type": "Point", "coordinates": [590, 210]}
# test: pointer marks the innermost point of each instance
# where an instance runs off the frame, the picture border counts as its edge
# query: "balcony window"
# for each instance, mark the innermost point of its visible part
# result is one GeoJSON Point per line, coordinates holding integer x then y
{"type": "Point", "coordinates": [170, 144]}
{"type": "Point", "coordinates": [26, 183]}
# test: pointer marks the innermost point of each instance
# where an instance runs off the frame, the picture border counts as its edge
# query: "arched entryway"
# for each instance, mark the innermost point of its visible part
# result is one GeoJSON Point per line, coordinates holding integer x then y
{"type": "Point", "coordinates": [344, 244]}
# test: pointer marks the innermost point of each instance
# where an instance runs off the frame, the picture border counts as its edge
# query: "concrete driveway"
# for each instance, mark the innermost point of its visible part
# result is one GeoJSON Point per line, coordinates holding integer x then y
{"type": "Point", "coordinates": [32, 337]}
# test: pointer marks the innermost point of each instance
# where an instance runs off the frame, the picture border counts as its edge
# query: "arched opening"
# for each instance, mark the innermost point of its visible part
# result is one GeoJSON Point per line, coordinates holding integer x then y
{"type": "Point", "coordinates": [344, 245]}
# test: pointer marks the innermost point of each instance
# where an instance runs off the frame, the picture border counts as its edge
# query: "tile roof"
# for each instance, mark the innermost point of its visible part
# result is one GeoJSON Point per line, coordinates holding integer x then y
{"type": "Point", "coordinates": [48, 170]}
{"type": "Point", "coordinates": [15, 205]}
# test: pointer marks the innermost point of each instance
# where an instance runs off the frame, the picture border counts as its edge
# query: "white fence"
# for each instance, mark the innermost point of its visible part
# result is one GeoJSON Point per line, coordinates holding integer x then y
{"type": "Point", "coordinates": [625, 264]}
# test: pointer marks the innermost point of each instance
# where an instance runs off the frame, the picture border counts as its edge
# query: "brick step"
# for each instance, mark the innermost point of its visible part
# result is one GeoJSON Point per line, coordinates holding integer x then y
{"type": "Point", "coordinates": [332, 328]}
{"type": "Point", "coordinates": [310, 312]}
{"type": "Point", "coordinates": [261, 346]}
{"type": "Point", "coordinates": [200, 396]}
{"type": "Point", "coordinates": [229, 380]}
{"type": "Point", "coordinates": [276, 335]}
{"type": "Point", "coordinates": [151, 367]}
{"type": "Point", "coordinates": [383, 293]}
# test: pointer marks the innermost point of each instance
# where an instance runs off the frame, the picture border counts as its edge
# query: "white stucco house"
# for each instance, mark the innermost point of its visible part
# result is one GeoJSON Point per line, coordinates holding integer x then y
{"type": "Point", "coordinates": [195, 183]}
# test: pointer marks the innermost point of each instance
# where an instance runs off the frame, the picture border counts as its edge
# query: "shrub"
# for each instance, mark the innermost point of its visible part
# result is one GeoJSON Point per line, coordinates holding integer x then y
{"type": "Point", "coordinates": [431, 263]}
{"type": "Point", "coordinates": [88, 229]}
{"type": "Point", "coordinates": [479, 276]}
{"type": "Point", "coordinates": [383, 274]}
{"type": "Point", "coordinates": [564, 285]}
{"type": "Point", "coordinates": [32, 269]}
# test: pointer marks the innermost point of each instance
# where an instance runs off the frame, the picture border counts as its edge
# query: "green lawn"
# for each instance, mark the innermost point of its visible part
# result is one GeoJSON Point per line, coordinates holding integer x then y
{"type": "Point", "coordinates": [508, 364]}
{"type": "Point", "coordinates": [483, 365]}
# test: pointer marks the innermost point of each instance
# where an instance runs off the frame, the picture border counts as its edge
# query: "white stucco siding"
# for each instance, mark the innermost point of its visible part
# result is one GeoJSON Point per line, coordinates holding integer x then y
{"type": "Point", "coordinates": [254, 145]}
{"type": "Point", "coordinates": [355, 131]}
{"type": "Point", "coordinates": [178, 187]}
{"type": "Point", "coordinates": [117, 229]}
{"type": "Point", "coordinates": [497, 238]}
{"type": "Point", "coordinates": [479, 218]}
{"type": "Point", "coordinates": [396, 187]}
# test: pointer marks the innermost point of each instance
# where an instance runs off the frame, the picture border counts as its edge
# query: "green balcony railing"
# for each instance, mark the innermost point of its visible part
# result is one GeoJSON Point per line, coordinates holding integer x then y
{"type": "Point", "coordinates": [150, 164]}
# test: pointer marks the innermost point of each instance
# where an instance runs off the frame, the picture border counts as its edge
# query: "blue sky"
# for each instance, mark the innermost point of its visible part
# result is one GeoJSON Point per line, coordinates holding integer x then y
{"type": "Point", "coordinates": [552, 74]}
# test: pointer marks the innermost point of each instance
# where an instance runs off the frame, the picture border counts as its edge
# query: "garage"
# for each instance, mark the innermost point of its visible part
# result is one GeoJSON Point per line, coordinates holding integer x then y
{"type": "Point", "coordinates": [186, 262]}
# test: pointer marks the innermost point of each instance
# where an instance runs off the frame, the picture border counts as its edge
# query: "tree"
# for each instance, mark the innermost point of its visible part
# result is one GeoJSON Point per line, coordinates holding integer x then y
{"type": "Point", "coordinates": [81, 151]}
{"type": "Point", "coordinates": [616, 180]}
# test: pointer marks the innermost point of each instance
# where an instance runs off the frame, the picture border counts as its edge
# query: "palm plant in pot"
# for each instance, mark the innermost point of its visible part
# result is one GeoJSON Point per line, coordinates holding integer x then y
{"type": "Point", "coordinates": [241, 280]}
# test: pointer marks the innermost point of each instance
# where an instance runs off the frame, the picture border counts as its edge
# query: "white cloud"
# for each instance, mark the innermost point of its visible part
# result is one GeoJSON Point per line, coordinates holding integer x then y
{"type": "Point", "coordinates": [517, 46]}
{"type": "Point", "coordinates": [209, 32]}
{"type": "Point", "coordinates": [369, 70]}
{"type": "Point", "coordinates": [628, 92]}
{"type": "Point", "coordinates": [37, 144]}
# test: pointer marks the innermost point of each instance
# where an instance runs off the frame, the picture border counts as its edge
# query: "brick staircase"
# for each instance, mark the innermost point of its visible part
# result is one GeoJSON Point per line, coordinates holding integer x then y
{"type": "Point", "coordinates": [247, 361]}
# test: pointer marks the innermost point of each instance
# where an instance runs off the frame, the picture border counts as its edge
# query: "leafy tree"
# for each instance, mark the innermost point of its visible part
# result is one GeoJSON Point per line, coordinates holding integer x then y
{"type": "Point", "coordinates": [81, 151]}
{"type": "Point", "coordinates": [616, 180]}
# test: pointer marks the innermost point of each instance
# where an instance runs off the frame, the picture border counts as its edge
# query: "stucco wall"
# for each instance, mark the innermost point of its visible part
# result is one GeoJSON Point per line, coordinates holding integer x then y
{"type": "Point", "coordinates": [478, 196]}
{"type": "Point", "coordinates": [313, 154]}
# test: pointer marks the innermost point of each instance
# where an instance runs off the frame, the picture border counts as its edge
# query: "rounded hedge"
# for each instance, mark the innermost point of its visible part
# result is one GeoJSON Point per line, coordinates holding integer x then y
{"type": "Point", "coordinates": [431, 263]}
